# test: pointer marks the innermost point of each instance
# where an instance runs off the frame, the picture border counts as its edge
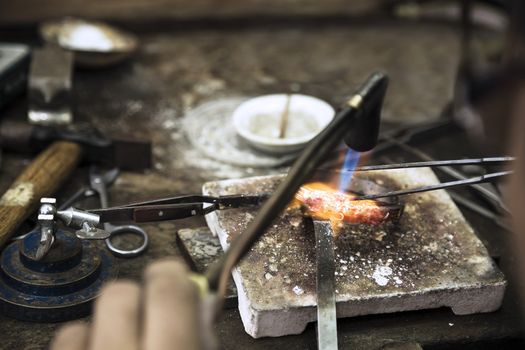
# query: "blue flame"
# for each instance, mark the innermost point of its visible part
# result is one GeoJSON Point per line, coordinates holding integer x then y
{"type": "Point", "coordinates": [347, 171]}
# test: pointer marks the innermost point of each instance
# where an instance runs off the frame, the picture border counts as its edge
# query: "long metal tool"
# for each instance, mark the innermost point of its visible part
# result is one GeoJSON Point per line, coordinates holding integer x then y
{"type": "Point", "coordinates": [174, 208]}
{"type": "Point", "coordinates": [474, 180]}
{"type": "Point", "coordinates": [325, 279]}
{"type": "Point", "coordinates": [400, 138]}
{"type": "Point", "coordinates": [433, 163]}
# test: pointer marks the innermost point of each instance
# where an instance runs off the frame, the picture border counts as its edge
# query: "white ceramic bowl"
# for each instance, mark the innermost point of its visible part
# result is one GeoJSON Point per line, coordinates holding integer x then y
{"type": "Point", "coordinates": [257, 121]}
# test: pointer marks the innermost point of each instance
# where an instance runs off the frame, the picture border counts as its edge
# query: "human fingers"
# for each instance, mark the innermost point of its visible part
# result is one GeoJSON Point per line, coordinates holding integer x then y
{"type": "Point", "coordinates": [170, 308]}
{"type": "Point", "coordinates": [116, 318]}
{"type": "Point", "coordinates": [73, 336]}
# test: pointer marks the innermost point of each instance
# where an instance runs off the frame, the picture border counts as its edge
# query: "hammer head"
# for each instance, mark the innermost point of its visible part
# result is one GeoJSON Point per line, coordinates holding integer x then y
{"type": "Point", "coordinates": [131, 155]}
{"type": "Point", "coordinates": [124, 154]}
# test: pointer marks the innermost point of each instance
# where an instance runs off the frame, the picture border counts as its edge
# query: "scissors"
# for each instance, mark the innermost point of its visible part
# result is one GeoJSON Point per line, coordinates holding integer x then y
{"type": "Point", "coordinates": [99, 182]}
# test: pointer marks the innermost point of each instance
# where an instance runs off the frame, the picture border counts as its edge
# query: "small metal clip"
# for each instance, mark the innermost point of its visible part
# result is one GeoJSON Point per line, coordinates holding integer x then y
{"type": "Point", "coordinates": [89, 231]}
{"type": "Point", "coordinates": [75, 218]}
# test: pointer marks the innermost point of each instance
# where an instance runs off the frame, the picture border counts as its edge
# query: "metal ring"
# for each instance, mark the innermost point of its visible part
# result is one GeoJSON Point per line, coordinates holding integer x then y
{"type": "Point", "coordinates": [131, 229]}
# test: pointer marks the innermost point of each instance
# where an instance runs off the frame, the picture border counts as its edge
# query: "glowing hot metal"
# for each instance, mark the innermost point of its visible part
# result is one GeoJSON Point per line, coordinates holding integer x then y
{"type": "Point", "coordinates": [321, 202]}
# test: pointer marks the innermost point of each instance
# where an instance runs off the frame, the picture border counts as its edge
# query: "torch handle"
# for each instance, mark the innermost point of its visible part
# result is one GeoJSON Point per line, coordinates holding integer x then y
{"type": "Point", "coordinates": [41, 178]}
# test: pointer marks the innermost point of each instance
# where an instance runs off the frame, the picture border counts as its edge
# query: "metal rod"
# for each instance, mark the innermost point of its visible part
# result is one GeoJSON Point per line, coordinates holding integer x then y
{"type": "Point", "coordinates": [474, 180]}
{"type": "Point", "coordinates": [325, 280]}
{"type": "Point", "coordinates": [284, 117]}
{"type": "Point", "coordinates": [431, 163]}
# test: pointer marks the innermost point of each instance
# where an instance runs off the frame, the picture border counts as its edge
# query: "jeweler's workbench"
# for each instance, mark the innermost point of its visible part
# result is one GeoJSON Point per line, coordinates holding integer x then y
{"type": "Point", "coordinates": [175, 71]}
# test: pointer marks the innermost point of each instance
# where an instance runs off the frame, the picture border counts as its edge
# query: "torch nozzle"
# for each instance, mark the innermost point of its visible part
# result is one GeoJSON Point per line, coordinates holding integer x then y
{"type": "Point", "coordinates": [363, 127]}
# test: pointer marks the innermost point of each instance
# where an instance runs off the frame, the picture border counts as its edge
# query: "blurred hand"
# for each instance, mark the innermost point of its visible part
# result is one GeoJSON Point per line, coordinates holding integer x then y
{"type": "Point", "coordinates": [160, 314]}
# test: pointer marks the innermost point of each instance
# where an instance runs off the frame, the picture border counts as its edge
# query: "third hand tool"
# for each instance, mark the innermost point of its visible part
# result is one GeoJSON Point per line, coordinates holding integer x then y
{"type": "Point", "coordinates": [61, 284]}
{"type": "Point", "coordinates": [99, 181]}
{"type": "Point", "coordinates": [172, 208]}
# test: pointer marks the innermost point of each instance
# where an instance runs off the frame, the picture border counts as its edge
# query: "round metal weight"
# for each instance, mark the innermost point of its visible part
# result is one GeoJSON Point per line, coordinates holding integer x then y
{"type": "Point", "coordinates": [59, 287]}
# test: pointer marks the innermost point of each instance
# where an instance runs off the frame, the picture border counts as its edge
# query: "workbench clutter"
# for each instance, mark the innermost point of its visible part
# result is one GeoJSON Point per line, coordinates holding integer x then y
{"type": "Point", "coordinates": [52, 280]}
{"type": "Point", "coordinates": [40, 262]}
{"type": "Point", "coordinates": [321, 237]}
{"type": "Point", "coordinates": [51, 274]}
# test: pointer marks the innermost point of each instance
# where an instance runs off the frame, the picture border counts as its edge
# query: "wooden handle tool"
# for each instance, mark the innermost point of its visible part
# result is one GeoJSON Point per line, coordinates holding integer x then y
{"type": "Point", "coordinates": [41, 178]}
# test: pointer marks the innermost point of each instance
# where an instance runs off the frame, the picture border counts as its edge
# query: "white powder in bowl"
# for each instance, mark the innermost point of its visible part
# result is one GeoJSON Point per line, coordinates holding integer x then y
{"type": "Point", "coordinates": [268, 125]}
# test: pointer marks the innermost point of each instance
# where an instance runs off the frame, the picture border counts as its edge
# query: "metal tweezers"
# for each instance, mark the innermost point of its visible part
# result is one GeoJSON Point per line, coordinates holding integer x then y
{"type": "Point", "coordinates": [437, 163]}
{"type": "Point", "coordinates": [174, 208]}
{"type": "Point", "coordinates": [182, 207]}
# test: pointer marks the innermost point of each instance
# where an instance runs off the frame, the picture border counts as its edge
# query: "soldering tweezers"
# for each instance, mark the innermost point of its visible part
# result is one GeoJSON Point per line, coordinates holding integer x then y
{"type": "Point", "coordinates": [438, 163]}
{"type": "Point", "coordinates": [174, 208]}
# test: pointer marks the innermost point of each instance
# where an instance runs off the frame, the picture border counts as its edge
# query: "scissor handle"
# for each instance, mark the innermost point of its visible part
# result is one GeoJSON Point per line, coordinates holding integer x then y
{"type": "Point", "coordinates": [127, 229]}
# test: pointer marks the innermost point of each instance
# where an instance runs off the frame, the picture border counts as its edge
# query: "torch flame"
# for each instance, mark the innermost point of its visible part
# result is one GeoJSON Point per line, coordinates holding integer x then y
{"type": "Point", "coordinates": [350, 162]}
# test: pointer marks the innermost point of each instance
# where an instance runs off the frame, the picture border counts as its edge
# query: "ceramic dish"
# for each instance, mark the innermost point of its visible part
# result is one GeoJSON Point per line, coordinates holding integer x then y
{"type": "Point", "coordinates": [95, 44]}
{"type": "Point", "coordinates": [258, 121]}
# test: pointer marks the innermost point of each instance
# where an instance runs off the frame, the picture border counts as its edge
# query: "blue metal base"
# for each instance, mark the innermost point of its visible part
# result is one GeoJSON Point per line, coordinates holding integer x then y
{"type": "Point", "coordinates": [59, 287]}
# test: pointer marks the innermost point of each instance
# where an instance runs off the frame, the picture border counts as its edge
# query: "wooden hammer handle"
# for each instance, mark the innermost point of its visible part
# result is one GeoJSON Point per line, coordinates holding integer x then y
{"type": "Point", "coordinates": [41, 178]}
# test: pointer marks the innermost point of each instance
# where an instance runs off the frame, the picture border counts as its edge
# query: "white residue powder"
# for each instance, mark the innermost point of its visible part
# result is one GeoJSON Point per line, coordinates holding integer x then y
{"type": "Point", "coordinates": [381, 275]}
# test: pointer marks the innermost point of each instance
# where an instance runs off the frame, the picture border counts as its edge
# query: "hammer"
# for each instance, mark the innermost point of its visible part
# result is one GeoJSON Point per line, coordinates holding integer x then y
{"type": "Point", "coordinates": [60, 152]}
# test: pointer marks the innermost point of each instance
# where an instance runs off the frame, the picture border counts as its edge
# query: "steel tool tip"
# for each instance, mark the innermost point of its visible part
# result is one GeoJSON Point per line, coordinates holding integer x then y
{"type": "Point", "coordinates": [43, 247]}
